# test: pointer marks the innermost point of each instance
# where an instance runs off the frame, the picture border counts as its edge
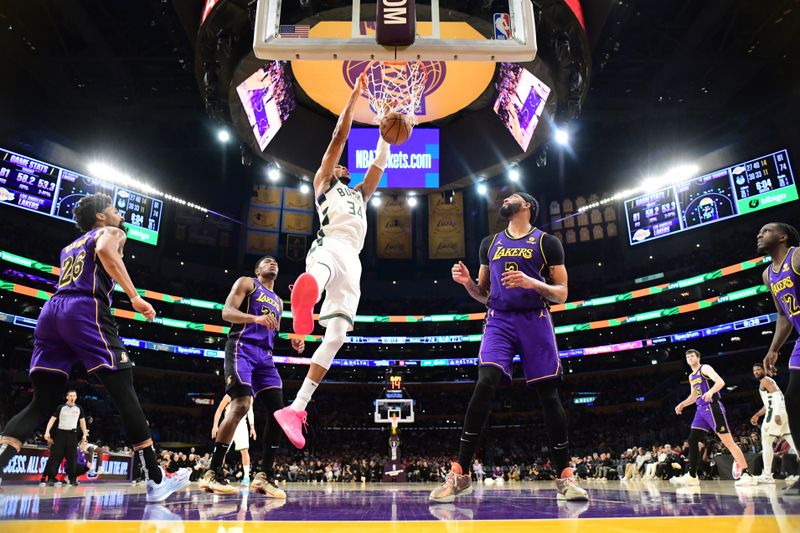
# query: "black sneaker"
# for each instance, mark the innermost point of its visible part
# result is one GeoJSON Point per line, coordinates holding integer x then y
{"type": "Point", "coordinates": [51, 482]}
{"type": "Point", "coordinates": [75, 483]}
{"type": "Point", "coordinates": [792, 490]}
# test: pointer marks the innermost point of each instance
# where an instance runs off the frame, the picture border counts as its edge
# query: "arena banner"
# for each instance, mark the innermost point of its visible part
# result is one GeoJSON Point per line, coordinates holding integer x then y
{"type": "Point", "coordinates": [297, 222]}
{"type": "Point", "coordinates": [445, 226]}
{"type": "Point", "coordinates": [264, 219]}
{"type": "Point", "coordinates": [412, 165]}
{"type": "Point", "coordinates": [262, 242]}
{"type": "Point", "coordinates": [267, 196]}
{"type": "Point", "coordinates": [98, 466]}
{"type": "Point", "coordinates": [449, 86]}
{"type": "Point", "coordinates": [294, 200]}
{"type": "Point", "coordinates": [394, 229]}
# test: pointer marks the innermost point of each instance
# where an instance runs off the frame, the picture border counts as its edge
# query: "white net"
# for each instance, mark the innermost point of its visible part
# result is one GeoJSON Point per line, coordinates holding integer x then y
{"type": "Point", "coordinates": [395, 86]}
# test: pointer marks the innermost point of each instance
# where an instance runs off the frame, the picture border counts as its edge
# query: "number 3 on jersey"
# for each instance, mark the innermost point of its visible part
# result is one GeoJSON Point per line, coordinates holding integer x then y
{"type": "Point", "coordinates": [354, 209]}
{"type": "Point", "coordinates": [71, 269]}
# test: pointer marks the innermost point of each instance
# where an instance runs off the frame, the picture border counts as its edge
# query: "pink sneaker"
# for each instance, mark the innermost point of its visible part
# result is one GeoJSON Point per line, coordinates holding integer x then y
{"type": "Point", "coordinates": [304, 297]}
{"type": "Point", "coordinates": [292, 422]}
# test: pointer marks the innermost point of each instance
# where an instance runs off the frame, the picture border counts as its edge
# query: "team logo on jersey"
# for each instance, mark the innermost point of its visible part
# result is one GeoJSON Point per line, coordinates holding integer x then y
{"type": "Point", "coordinates": [123, 357]}
{"type": "Point", "coordinates": [531, 240]}
{"type": "Point", "coordinates": [786, 267]}
{"type": "Point", "coordinates": [261, 297]}
{"type": "Point", "coordinates": [502, 251]}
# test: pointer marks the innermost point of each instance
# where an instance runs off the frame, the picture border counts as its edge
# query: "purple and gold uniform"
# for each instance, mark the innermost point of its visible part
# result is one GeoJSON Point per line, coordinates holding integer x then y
{"type": "Point", "coordinates": [784, 285]}
{"type": "Point", "coordinates": [710, 416]}
{"type": "Point", "coordinates": [76, 325]}
{"type": "Point", "coordinates": [518, 320]}
{"type": "Point", "coordinates": [248, 351]}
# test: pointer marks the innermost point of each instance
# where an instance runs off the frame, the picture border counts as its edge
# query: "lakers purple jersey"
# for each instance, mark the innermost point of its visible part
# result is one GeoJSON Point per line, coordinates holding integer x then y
{"type": "Point", "coordinates": [261, 301]}
{"type": "Point", "coordinates": [81, 270]}
{"type": "Point", "coordinates": [701, 385]}
{"type": "Point", "coordinates": [524, 254]}
{"type": "Point", "coordinates": [784, 287]}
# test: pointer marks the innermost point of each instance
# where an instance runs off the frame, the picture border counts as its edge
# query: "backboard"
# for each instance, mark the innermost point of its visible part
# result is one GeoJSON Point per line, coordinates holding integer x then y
{"type": "Point", "coordinates": [385, 409]}
{"type": "Point", "coordinates": [512, 36]}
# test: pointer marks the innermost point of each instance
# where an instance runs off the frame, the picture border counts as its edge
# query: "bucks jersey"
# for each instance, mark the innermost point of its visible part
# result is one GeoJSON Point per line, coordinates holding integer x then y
{"type": "Point", "coordinates": [343, 216]}
{"type": "Point", "coordinates": [773, 403]}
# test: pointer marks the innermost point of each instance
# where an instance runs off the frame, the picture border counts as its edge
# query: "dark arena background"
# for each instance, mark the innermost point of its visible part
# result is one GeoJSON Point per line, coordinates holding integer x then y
{"type": "Point", "coordinates": [658, 138]}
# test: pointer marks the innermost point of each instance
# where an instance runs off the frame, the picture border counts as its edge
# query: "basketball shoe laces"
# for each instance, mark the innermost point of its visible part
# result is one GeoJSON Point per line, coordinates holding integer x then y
{"type": "Point", "coordinates": [450, 479]}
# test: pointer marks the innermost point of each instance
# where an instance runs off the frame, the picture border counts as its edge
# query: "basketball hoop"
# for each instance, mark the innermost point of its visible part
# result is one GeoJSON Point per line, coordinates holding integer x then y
{"type": "Point", "coordinates": [395, 86]}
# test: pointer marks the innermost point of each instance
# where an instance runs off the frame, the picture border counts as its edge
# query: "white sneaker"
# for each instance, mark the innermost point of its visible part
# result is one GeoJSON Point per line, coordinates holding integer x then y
{"type": "Point", "coordinates": [678, 480]}
{"type": "Point", "coordinates": [158, 492]}
{"type": "Point", "coordinates": [765, 479]}
{"type": "Point", "coordinates": [746, 481]}
{"type": "Point", "coordinates": [686, 480]}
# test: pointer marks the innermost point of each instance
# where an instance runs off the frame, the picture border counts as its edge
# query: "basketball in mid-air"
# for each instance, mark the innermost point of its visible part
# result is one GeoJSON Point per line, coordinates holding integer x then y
{"type": "Point", "coordinates": [395, 128]}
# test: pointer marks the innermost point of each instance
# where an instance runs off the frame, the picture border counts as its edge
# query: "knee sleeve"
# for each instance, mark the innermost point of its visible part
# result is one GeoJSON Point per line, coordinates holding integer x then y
{"type": "Point", "coordinates": [335, 336]}
{"type": "Point", "coordinates": [119, 387]}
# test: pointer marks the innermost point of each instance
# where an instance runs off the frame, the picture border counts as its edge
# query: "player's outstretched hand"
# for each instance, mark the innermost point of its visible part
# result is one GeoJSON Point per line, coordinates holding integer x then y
{"type": "Point", "coordinates": [267, 320]}
{"type": "Point", "coordinates": [143, 307]}
{"type": "Point", "coordinates": [769, 363]}
{"type": "Point", "coordinates": [461, 273]}
{"type": "Point", "coordinates": [299, 345]}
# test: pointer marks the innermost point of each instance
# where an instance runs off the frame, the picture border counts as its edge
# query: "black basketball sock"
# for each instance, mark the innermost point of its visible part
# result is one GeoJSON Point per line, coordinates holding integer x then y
{"type": "Point", "coordinates": [695, 436]}
{"type": "Point", "coordinates": [555, 423]}
{"type": "Point", "coordinates": [478, 411]}
{"type": "Point", "coordinates": [147, 456]}
{"type": "Point", "coordinates": [218, 458]}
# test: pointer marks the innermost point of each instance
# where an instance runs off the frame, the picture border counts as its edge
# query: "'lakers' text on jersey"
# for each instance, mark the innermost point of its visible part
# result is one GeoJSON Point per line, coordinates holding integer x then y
{"type": "Point", "coordinates": [82, 273]}
{"type": "Point", "coordinates": [261, 301]}
{"type": "Point", "coordinates": [524, 254]}
{"type": "Point", "coordinates": [342, 215]}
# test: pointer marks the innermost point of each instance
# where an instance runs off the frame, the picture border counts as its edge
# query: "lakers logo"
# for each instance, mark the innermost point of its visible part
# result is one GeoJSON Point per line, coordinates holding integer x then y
{"type": "Point", "coordinates": [261, 297]}
{"type": "Point", "coordinates": [123, 357]}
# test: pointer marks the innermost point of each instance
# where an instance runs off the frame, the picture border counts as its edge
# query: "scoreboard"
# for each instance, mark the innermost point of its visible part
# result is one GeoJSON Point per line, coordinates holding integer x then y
{"type": "Point", "coordinates": [726, 193]}
{"type": "Point", "coordinates": [54, 191]}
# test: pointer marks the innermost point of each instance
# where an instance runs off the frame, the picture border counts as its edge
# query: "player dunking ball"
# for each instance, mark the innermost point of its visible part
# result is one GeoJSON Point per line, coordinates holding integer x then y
{"type": "Point", "coordinates": [782, 277]}
{"type": "Point", "coordinates": [709, 418]}
{"type": "Point", "coordinates": [254, 311]}
{"type": "Point", "coordinates": [522, 271]}
{"type": "Point", "coordinates": [76, 325]}
{"type": "Point", "coordinates": [332, 264]}
{"type": "Point", "coordinates": [775, 426]}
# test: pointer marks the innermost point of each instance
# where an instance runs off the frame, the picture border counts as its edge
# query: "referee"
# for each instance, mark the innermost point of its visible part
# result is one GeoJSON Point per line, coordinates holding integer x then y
{"type": "Point", "coordinates": [64, 440]}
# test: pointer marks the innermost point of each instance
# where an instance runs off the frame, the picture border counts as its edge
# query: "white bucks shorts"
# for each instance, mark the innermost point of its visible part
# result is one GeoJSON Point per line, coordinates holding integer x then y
{"type": "Point", "coordinates": [343, 291]}
{"type": "Point", "coordinates": [241, 438]}
{"type": "Point", "coordinates": [774, 429]}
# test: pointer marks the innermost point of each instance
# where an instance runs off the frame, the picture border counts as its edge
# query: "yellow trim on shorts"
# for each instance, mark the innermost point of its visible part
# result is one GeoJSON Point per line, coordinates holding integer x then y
{"type": "Point", "coordinates": [267, 388]}
{"type": "Point", "coordinates": [555, 344]}
{"type": "Point", "coordinates": [46, 369]}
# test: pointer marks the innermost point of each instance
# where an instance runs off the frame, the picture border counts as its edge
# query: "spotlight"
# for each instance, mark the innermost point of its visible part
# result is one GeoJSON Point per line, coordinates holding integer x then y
{"type": "Point", "coordinates": [482, 189]}
{"type": "Point", "coordinates": [304, 188]}
{"type": "Point", "coordinates": [273, 174]}
{"type": "Point", "coordinates": [223, 136]}
{"type": "Point", "coordinates": [375, 201]}
{"type": "Point", "coordinates": [513, 174]}
{"type": "Point", "coordinates": [562, 137]}
{"type": "Point", "coordinates": [412, 201]}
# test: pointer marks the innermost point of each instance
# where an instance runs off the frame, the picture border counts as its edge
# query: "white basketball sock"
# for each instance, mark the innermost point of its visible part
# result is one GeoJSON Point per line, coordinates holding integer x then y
{"type": "Point", "coordinates": [246, 471]}
{"type": "Point", "coordinates": [304, 395]}
{"type": "Point", "coordinates": [766, 453]}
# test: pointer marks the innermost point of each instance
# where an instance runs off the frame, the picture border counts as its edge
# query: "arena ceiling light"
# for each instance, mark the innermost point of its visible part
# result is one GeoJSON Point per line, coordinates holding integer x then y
{"type": "Point", "coordinates": [482, 189]}
{"type": "Point", "coordinates": [562, 136]}
{"type": "Point", "coordinates": [273, 174]}
{"type": "Point", "coordinates": [671, 177]}
{"type": "Point", "coordinates": [375, 201]}
{"type": "Point", "coordinates": [223, 136]}
{"type": "Point", "coordinates": [108, 173]}
{"type": "Point", "coordinates": [513, 173]}
{"type": "Point", "coordinates": [304, 188]}
{"type": "Point", "coordinates": [411, 201]}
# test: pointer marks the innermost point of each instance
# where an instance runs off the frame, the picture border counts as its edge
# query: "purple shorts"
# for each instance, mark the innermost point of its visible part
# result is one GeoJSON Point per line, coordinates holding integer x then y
{"type": "Point", "coordinates": [794, 360]}
{"type": "Point", "coordinates": [250, 366]}
{"type": "Point", "coordinates": [74, 329]}
{"type": "Point", "coordinates": [529, 334]}
{"type": "Point", "coordinates": [711, 418]}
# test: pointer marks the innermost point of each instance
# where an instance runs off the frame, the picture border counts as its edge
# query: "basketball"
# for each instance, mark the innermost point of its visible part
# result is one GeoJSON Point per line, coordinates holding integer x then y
{"type": "Point", "coordinates": [395, 128]}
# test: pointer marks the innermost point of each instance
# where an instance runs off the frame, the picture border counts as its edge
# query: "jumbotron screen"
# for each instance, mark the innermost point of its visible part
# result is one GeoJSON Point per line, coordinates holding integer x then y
{"type": "Point", "coordinates": [412, 165]}
{"type": "Point", "coordinates": [54, 191]}
{"type": "Point", "coordinates": [760, 183]}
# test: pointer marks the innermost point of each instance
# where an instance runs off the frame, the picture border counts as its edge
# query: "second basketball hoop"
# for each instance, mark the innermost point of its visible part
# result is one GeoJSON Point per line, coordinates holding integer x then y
{"type": "Point", "coordinates": [394, 89]}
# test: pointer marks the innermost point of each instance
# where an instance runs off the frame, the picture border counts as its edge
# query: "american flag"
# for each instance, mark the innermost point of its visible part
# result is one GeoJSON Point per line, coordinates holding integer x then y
{"type": "Point", "coordinates": [294, 31]}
